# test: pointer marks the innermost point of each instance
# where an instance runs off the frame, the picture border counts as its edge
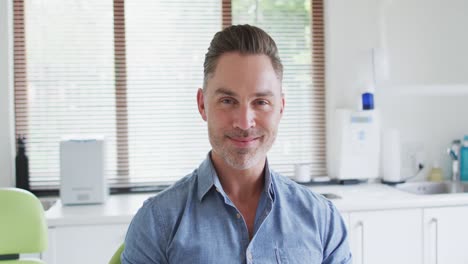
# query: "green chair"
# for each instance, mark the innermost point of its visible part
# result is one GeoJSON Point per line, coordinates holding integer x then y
{"type": "Point", "coordinates": [23, 226]}
{"type": "Point", "coordinates": [116, 257]}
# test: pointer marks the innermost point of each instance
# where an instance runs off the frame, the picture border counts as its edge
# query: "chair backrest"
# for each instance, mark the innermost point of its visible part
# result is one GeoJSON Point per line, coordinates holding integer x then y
{"type": "Point", "coordinates": [23, 227]}
{"type": "Point", "coordinates": [116, 257]}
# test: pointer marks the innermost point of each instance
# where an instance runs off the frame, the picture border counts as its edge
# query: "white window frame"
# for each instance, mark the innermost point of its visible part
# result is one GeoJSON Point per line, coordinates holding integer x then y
{"type": "Point", "coordinates": [7, 127]}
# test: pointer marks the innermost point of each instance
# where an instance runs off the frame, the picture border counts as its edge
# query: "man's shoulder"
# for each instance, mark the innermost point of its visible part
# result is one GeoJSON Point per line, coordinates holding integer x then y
{"type": "Point", "coordinates": [296, 193]}
{"type": "Point", "coordinates": [151, 226]}
{"type": "Point", "coordinates": [176, 194]}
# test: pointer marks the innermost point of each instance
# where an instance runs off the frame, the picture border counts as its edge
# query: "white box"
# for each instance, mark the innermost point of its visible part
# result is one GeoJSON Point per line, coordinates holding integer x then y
{"type": "Point", "coordinates": [82, 171]}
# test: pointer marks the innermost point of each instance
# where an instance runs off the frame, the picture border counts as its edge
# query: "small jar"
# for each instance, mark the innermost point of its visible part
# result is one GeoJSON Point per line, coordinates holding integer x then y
{"type": "Point", "coordinates": [436, 174]}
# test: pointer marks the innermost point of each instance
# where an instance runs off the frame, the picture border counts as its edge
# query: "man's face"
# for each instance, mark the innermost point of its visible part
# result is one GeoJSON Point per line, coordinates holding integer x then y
{"type": "Point", "coordinates": [242, 104]}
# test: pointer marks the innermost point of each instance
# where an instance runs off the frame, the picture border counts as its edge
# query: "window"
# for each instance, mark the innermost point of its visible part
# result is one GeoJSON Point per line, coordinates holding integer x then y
{"type": "Point", "coordinates": [129, 70]}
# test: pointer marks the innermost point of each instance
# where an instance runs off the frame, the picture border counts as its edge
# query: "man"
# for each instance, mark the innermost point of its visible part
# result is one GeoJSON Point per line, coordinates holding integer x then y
{"type": "Point", "coordinates": [234, 208]}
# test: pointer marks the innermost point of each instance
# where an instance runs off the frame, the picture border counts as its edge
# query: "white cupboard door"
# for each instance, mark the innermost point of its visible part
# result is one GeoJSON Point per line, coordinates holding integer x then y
{"type": "Point", "coordinates": [386, 237]}
{"type": "Point", "coordinates": [446, 235]}
{"type": "Point", "coordinates": [90, 244]}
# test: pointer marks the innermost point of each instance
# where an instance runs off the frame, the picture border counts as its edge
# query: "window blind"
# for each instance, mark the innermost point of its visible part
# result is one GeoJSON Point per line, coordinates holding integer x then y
{"type": "Point", "coordinates": [64, 79]}
{"type": "Point", "coordinates": [302, 132]}
{"type": "Point", "coordinates": [129, 70]}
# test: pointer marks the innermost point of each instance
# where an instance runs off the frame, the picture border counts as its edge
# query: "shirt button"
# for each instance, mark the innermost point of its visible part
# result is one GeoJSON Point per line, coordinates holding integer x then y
{"type": "Point", "coordinates": [238, 216]}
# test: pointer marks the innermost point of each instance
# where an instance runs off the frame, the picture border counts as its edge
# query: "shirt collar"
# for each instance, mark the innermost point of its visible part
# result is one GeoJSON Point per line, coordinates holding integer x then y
{"type": "Point", "coordinates": [268, 188]}
{"type": "Point", "coordinates": [206, 174]}
{"type": "Point", "coordinates": [207, 178]}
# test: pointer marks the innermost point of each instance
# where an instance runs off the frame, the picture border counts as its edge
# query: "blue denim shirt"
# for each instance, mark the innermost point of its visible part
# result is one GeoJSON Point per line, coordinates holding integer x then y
{"type": "Point", "coordinates": [194, 221]}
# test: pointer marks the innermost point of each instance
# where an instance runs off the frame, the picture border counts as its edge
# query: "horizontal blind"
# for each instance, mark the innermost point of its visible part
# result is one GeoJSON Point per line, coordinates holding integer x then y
{"type": "Point", "coordinates": [69, 80]}
{"type": "Point", "coordinates": [129, 70]}
{"type": "Point", "coordinates": [302, 132]}
{"type": "Point", "coordinates": [166, 42]}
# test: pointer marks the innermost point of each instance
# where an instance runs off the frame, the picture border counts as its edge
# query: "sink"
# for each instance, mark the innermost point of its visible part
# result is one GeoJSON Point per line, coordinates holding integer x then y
{"type": "Point", "coordinates": [425, 188]}
{"type": "Point", "coordinates": [331, 196]}
{"type": "Point", "coordinates": [47, 203]}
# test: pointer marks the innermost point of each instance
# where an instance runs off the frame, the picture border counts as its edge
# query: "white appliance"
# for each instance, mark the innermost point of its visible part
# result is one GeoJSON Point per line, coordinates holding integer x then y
{"type": "Point", "coordinates": [82, 171]}
{"type": "Point", "coordinates": [355, 145]}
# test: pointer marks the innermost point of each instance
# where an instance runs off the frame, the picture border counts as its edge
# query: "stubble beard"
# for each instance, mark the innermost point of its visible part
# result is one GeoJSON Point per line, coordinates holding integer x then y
{"type": "Point", "coordinates": [240, 158]}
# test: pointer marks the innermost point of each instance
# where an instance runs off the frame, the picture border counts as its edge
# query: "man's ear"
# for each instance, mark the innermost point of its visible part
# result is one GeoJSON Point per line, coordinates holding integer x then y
{"type": "Point", "coordinates": [282, 103]}
{"type": "Point", "coordinates": [201, 103]}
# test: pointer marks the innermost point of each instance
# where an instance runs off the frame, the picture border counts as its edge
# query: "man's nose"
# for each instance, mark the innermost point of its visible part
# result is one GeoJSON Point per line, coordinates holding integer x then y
{"type": "Point", "coordinates": [245, 118]}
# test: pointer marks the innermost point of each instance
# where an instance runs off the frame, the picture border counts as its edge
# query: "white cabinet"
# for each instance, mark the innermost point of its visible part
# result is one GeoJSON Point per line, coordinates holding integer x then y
{"type": "Point", "coordinates": [390, 236]}
{"type": "Point", "coordinates": [90, 244]}
{"type": "Point", "coordinates": [446, 235]}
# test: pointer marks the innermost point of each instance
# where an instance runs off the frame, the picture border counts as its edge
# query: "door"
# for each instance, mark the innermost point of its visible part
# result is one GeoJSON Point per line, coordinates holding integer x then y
{"type": "Point", "coordinates": [386, 237]}
{"type": "Point", "coordinates": [446, 235]}
{"type": "Point", "coordinates": [90, 244]}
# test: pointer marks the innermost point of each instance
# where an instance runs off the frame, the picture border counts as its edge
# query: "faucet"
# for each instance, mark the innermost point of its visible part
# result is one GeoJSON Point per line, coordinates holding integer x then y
{"type": "Point", "coordinates": [454, 152]}
{"type": "Point", "coordinates": [455, 171]}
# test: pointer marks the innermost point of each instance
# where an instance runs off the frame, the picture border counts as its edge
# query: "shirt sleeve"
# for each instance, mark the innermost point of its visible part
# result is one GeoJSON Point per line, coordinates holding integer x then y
{"type": "Point", "coordinates": [145, 241]}
{"type": "Point", "coordinates": [336, 247]}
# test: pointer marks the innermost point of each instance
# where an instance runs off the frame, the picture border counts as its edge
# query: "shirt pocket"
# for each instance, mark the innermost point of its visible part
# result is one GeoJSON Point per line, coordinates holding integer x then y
{"type": "Point", "coordinates": [297, 256]}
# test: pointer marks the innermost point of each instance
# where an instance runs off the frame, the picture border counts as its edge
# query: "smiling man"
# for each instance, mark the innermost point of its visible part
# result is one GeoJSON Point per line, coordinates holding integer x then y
{"type": "Point", "coordinates": [233, 208]}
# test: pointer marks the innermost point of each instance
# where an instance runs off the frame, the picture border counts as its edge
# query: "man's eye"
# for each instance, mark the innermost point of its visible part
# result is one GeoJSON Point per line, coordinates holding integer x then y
{"type": "Point", "coordinates": [227, 101]}
{"type": "Point", "coordinates": [262, 102]}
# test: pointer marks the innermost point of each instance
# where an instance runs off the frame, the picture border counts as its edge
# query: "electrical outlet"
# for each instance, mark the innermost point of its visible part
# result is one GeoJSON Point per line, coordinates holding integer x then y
{"type": "Point", "coordinates": [413, 157]}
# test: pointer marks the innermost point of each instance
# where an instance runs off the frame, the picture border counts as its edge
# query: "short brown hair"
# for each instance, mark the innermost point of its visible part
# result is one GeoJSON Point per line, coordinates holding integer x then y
{"type": "Point", "coordinates": [244, 39]}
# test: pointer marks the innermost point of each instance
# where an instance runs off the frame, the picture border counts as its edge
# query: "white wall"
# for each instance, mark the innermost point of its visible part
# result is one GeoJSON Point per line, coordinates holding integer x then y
{"type": "Point", "coordinates": [6, 98]}
{"type": "Point", "coordinates": [431, 121]}
{"type": "Point", "coordinates": [428, 119]}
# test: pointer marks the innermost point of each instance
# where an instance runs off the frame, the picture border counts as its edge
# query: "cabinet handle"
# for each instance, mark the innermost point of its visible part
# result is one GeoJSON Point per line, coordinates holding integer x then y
{"type": "Point", "coordinates": [433, 227]}
{"type": "Point", "coordinates": [360, 225]}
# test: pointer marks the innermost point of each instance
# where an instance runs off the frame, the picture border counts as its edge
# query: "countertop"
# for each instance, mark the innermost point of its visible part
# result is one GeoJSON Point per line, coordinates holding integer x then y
{"type": "Point", "coordinates": [120, 209]}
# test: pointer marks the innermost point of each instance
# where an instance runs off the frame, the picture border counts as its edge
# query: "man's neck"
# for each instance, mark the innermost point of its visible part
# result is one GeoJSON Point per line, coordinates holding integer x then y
{"type": "Point", "coordinates": [240, 185]}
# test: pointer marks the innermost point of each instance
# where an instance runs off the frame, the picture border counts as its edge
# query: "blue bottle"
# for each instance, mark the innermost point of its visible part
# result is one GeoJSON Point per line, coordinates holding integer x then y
{"type": "Point", "coordinates": [464, 160]}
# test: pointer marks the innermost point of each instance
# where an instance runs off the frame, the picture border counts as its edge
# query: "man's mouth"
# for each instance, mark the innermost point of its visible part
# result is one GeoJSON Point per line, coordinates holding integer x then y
{"type": "Point", "coordinates": [244, 142]}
